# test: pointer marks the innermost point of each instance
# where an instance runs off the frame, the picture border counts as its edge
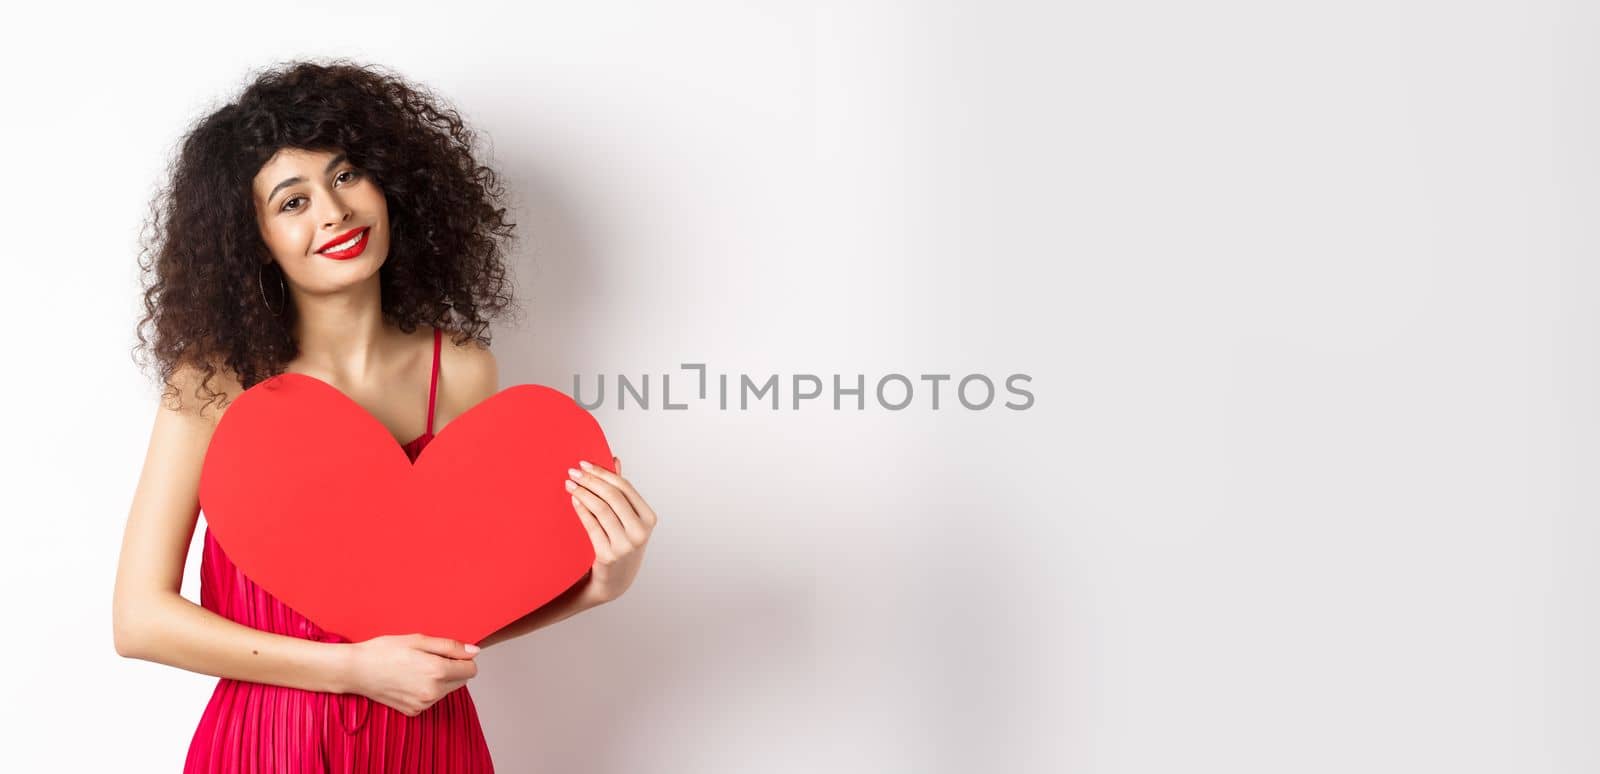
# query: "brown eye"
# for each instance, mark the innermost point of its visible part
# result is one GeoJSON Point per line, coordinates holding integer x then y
{"type": "Point", "coordinates": [286, 204]}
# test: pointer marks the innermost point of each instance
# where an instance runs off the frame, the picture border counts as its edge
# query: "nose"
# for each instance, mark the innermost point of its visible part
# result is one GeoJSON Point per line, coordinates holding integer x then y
{"type": "Point", "coordinates": [335, 212]}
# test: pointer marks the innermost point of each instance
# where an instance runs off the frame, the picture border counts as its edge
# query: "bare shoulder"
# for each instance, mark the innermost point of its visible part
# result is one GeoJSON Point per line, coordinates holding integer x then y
{"type": "Point", "coordinates": [192, 401]}
{"type": "Point", "coordinates": [468, 373]}
{"type": "Point", "coordinates": [197, 394]}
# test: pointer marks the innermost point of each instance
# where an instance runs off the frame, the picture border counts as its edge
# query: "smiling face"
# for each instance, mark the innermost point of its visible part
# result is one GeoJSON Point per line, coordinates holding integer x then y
{"type": "Point", "coordinates": [310, 200]}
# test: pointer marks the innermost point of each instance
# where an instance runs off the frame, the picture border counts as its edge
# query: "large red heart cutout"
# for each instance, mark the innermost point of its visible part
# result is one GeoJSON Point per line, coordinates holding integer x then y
{"type": "Point", "coordinates": [315, 501]}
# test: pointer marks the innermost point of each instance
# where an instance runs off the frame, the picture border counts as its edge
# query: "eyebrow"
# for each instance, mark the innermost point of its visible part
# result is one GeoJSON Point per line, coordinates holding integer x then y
{"type": "Point", "coordinates": [293, 180]}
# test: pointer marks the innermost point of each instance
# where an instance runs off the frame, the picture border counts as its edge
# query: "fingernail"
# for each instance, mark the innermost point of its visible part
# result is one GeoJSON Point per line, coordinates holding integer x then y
{"type": "Point", "coordinates": [472, 648]}
{"type": "Point", "coordinates": [585, 465]}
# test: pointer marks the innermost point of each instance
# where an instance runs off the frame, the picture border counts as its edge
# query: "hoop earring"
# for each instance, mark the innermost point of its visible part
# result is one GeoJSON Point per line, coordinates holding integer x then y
{"type": "Point", "coordinates": [282, 293]}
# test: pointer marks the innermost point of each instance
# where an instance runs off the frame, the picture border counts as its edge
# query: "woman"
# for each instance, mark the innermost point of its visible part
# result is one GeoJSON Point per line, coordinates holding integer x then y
{"type": "Point", "coordinates": [332, 221]}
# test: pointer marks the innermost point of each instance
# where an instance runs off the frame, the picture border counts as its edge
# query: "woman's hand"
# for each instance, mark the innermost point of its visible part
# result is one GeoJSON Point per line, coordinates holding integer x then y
{"type": "Point", "coordinates": [409, 672]}
{"type": "Point", "coordinates": [619, 523]}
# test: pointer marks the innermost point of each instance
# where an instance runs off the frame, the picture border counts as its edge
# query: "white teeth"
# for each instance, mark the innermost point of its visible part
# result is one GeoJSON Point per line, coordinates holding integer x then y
{"type": "Point", "coordinates": [343, 245]}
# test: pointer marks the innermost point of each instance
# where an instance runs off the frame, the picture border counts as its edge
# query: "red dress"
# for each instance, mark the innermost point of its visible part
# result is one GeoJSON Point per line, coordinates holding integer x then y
{"type": "Point", "coordinates": [256, 727]}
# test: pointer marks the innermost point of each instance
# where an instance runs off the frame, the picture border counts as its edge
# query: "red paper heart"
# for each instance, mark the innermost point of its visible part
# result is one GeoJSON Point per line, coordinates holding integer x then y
{"type": "Point", "coordinates": [315, 501]}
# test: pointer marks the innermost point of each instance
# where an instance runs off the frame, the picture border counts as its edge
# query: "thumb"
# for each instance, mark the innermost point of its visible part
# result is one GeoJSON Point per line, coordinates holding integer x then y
{"type": "Point", "coordinates": [616, 465]}
{"type": "Point", "coordinates": [444, 646]}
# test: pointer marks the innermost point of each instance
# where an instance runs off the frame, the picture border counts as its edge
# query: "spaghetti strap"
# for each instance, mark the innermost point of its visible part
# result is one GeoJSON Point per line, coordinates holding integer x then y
{"type": "Point", "coordinates": [433, 380]}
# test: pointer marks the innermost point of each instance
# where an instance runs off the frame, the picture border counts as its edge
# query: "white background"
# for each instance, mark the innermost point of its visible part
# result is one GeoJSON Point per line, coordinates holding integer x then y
{"type": "Point", "coordinates": [1306, 292]}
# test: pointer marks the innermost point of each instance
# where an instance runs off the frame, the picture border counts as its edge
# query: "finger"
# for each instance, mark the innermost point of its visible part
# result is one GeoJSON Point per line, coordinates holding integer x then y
{"type": "Point", "coordinates": [443, 646]}
{"type": "Point", "coordinates": [615, 532]}
{"type": "Point", "coordinates": [641, 509]}
{"type": "Point", "coordinates": [635, 531]}
{"type": "Point", "coordinates": [461, 671]}
{"type": "Point", "coordinates": [597, 533]}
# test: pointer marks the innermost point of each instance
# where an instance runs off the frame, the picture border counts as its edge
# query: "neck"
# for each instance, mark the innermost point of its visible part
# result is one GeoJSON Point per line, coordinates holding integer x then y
{"type": "Point", "coordinates": [342, 334]}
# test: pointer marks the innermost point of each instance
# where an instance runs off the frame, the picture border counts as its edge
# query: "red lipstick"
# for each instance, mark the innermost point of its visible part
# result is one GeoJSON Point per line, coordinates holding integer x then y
{"type": "Point", "coordinates": [351, 251]}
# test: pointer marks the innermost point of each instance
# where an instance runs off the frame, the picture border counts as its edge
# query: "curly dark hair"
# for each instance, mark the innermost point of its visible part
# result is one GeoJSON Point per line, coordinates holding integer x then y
{"type": "Point", "coordinates": [202, 253]}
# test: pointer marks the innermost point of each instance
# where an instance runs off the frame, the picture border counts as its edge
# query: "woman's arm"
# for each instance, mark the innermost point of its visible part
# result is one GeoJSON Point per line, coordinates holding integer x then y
{"type": "Point", "coordinates": [151, 620]}
{"type": "Point", "coordinates": [177, 632]}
